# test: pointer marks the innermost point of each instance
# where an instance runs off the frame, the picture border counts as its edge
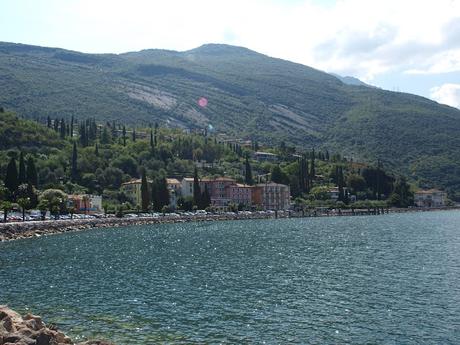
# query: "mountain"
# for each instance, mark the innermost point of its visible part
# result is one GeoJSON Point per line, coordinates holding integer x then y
{"type": "Point", "coordinates": [351, 80]}
{"type": "Point", "coordinates": [249, 95]}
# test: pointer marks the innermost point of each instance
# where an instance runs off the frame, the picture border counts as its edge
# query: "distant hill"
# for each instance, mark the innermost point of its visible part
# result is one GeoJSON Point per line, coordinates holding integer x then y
{"type": "Point", "coordinates": [351, 80]}
{"type": "Point", "coordinates": [249, 95]}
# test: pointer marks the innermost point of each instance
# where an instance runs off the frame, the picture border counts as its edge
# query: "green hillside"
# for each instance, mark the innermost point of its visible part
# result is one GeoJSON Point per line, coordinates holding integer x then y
{"type": "Point", "coordinates": [249, 95]}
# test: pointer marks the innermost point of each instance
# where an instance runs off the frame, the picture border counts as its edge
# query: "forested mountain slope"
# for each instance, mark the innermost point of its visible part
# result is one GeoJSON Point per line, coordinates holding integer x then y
{"type": "Point", "coordinates": [249, 95]}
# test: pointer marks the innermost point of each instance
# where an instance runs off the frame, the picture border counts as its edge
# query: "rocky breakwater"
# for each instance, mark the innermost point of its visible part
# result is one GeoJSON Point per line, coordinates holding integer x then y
{"type": "Point", "coordinates": [31, 330]}
{"type": "Point", "coordinates": [13, 231]}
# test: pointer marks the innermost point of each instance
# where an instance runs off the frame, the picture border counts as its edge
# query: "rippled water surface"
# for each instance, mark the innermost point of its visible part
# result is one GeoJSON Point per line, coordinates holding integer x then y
{"type": "Point", "coordinates": [392, 279]}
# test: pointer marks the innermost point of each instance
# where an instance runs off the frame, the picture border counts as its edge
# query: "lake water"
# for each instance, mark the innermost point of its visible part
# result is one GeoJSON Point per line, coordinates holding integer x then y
{"type": "Point", "coordinates": [392, 279]}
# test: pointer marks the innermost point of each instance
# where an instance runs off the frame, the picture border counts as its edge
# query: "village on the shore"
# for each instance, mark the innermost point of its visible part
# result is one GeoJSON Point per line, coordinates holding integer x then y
{"type": "Point", "coordinates": [99, 170]}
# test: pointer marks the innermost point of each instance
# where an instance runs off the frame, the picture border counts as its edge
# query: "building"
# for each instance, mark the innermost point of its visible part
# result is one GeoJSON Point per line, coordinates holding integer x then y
{"type": "Point", "coordinates": [132, 190]}
{"type": "Point", "coordinates": [186, 187]}
{"type": "Point", "coordinates": [333, 193]}
{"type": "Point", "coordinates": [265, 156]}
{"type": "Point", "coordinates": [272, 196]}
{"type": "Point", "coordinates": [224, 191]}
{"type": "Point", "coordinates": [218, 190]}
{"type": "Point", "coordinates": [241, 194]}
{"type": "Point", "coordinates": [85, 203]}
{"type": "Point", "coordinates": [174, 188]}
{"type": "Point", "coordinates": [430, 198]}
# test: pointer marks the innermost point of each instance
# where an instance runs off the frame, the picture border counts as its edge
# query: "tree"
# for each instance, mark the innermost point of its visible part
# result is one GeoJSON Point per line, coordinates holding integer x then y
{"type": "Point", "coordinates": [248, 172]}
{"type": "Point", "coordinates": [24, 203]}
{"type": "Point", "coordinates": [145, 193]}
{"type": "Point", "coordinates": [196, 189]}
{"type": "Point", "coordinates": [62, 129]}
{"type": "Point", "coordinates": [105, 136]}
{"type": "Point", "coordinates": [27, 191]}
{"type": "Point", "coordinates": [6, 206]}
{"type": "Point", "coordinates": [278, 176]}
{"type": "Point", "coordinates": [312, 168]}
{"type": "Point", "coordinates": [303, 174]}
{"type": "Point", "coordinates": [71, 127]}
{"type": "Point", "coordinates": [356, 183]}
{"type": "Point", "coordinates": [160, 194]}
{"type": "Point", "coordinates": [155, 141]}
{"type": "Point", "coordinates": [124, 135]}
{"type": "Point", "coordinates": [152, 144]}
{"type": "Point", "coordinates": [205, 199]}
{"type": "Point", "coordinates": [340, 182]}
{"type": "Point", "coordinates": [74, 166]}
{"type": "Point", "coordinates": [86, 203]}
{"type": "Point", "coordinates": [11, 178]}
{"type": "Point", "coordinates": [31, 172]}
{"type": "Point", "coordinates": [56, 201]}
{"type": "Point", "coordinates": [401, 196]}
{"type": "Point", "coordinates": [96, 150]}
{"type": "Point", "coordinates": [22, 177]}
{"type": "Point", "coordinates": [134, 135]}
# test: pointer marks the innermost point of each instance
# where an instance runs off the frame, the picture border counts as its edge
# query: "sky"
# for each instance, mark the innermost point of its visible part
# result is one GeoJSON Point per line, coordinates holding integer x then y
{"type": "Point", "coordinates": [399, 45]}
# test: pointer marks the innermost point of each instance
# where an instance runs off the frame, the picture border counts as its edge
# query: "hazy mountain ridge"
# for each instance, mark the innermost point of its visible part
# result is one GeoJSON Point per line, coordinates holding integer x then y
{"type": "Point", "coordinates": [249, 95]}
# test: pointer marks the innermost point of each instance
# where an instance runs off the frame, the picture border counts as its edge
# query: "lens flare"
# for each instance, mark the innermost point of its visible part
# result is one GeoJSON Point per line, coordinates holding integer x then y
{"type": "Point", "coordinates": [202, 102]}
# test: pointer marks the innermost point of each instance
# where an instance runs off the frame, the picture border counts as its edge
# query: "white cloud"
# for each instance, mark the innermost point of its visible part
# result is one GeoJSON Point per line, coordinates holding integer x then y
{"type": "Point", "coordinates": [447, 94]}
{"type": "Point", "coordinates": [357, 37]}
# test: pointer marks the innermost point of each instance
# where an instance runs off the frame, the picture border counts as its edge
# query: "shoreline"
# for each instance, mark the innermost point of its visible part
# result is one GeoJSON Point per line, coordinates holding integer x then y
{"type": "Point", "coordinates": [30, 329]}
{"type": "Point", "coordinates": [21, 230]}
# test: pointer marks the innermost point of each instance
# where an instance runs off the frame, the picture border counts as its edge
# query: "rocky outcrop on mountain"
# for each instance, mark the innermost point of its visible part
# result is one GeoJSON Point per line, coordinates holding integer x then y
{"type": "Point", "coordinates": [31, 330]}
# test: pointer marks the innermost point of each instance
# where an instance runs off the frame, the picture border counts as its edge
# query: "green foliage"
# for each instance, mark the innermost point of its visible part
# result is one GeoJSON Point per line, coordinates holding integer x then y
{"type": "Point", "coordinates": [145, 192]}
{"type": "Point", "coordinates": [277, 101]}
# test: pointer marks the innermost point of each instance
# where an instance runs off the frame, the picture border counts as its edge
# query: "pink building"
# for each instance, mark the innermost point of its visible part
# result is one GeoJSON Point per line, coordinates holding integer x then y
{"type": "Point", "coordinates": [218, 189]}
{"type": "Point", "coordinates": [241, 194]}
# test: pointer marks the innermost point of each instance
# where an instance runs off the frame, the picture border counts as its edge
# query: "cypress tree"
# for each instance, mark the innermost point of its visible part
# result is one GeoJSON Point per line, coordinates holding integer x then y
{"type": "Point", "coordinates": [312, 168]}
{"type": "Point", "coordinates": [163, 192]}
{"type": "Point", "coordinates": [105, 136]}
{"type": "Point", "coordinates": [71, 127]}
{"type": "Point", "coordinates": [62, 129]}
{"type": "Point", "coordinates": [74, 166]}
{"type": "Point", "coordinates": [22, 178]}
{"type": "Point", "coordinates": [96, 150]}
{"type": "Point", "coordinates": [11, 178]}
{"type": "Point", "coordinates": [205, 198]}
{"type": "Point", "coordinates": [56, 125]}
{"type": "Point", "coordinates": [155, 137]}
{"type": "Point", "coordinates": [134, 135]}
{"type": "Point", "coordinates": [124, 135]}
{"type": "Point", "coordinates": [196, 189]}
{"type": "Point", "coordinates": [145, 195]}
{"type": "Point", "coordinates": [151, 139]}
{"type": "Point", "coordinates": [48, 122]}
{"type": "Point", "coordinates": [248, 172]}
{"type": "Point", "coordinates": [32, 175]}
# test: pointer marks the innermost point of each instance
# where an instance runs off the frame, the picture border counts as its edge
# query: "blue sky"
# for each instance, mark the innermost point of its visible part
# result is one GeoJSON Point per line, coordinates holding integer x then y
{"type": "Point", "coordinates": [408, 46]}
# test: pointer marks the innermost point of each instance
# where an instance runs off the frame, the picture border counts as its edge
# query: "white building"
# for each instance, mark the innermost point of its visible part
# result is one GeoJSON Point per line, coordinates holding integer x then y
{"type": "Point", "coordinates": [187, 186]}
{"type": "Point", "coordinates": [174, 188]}
{"type": "Point", "coordinates": [430, 198]}
{"type": "Point", "coordinates": [265, 156]}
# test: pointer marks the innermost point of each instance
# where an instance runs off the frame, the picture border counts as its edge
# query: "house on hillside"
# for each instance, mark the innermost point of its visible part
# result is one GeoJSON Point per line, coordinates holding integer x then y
{"type": "Point", "coordinates": [265, 156]}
